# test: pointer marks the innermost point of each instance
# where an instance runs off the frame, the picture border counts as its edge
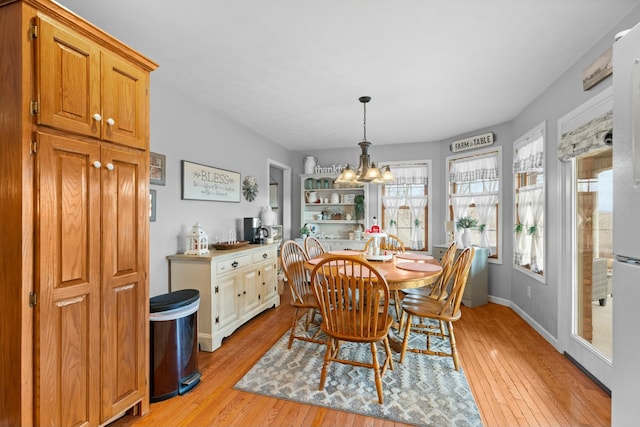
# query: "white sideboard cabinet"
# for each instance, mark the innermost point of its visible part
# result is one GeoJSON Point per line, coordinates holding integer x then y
{"type": "Point", "coordinates": [235, 285]}
{"type": "Point", "coordinates": [476, 292]}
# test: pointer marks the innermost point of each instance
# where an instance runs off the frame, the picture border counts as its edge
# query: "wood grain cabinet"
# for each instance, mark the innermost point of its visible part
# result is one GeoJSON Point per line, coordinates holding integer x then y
{"type": "Point", "coordinates": [477, 289]}
{"type": "Point", "coordinates": [74, 203]}
{"type": "Point", "coordinates": [235, 285]}
{"type": "Point", "coordinates": [85, 89]}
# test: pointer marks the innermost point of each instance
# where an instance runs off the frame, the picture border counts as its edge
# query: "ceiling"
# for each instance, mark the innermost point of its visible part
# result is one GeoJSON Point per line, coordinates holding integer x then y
{"type": "Point", "coordinates": [293, 70]}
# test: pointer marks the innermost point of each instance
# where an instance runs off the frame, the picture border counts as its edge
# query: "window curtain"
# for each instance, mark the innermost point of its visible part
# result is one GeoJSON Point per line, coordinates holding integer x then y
{"type": "Point", "coordinates": [485, 205]}
{"type": "Point", "coordinates": [590, 136]}
{"type": "Point", "coordinates": [460, 205]}
{"type": "Point", "coordinates": [417, 205]}
{"type": "Point", "coordinates": [537, 216]}
{"type": "Point", "coordinates": [529, 155]}
{"type": "Point", "coordinates": [474, 169]}
{"type": "Point", "coordinates": [391, 206]}
{"type": "Point", "coordinates": [408, 173]}
{"type": "Point", "coordinates": [522, 254]}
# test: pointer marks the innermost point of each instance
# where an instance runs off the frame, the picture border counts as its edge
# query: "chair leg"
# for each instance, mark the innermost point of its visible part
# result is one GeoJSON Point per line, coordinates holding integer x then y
{"type": "Point", "coordinates": [405, 341]}
{"type": "Point", "coordinates": [387, 349]}
{"type": "Point", "coordinates": [327, 360]}
{"type": "Point", "coordinates": [376, 372]}
{"type": "Point", "coordinates": [293, 329]}
{"type": "Point", "coordinates": [454, 349]}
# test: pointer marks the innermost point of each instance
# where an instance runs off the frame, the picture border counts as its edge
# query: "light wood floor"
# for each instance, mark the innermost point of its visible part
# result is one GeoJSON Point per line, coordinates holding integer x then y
{"type": "Point", "coordinates": [517, 379]}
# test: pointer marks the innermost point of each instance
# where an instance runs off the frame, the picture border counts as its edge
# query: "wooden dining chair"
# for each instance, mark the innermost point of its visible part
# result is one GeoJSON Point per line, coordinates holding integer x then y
{"type": "Point", "coordinates": [389, 243]}
{"type": "Point", "coordinates": [293, 258]}
{"type": "Point", "coordinates": [439, 288]}
{"type": "Point", "coordinates": [444, 312]}
{"type": "Point", "coordinates": [354, 303]}
{"type": "Point", "coordinates": [313, 247]}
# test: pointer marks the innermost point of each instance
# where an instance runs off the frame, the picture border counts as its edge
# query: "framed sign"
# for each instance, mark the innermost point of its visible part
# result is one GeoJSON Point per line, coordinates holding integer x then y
{"type": "Point", "coordinates": [200, 182]}
{"type": "Point", "coordinates": [157, 168]}
{"type": "Point", "coordinates": [472, 142]}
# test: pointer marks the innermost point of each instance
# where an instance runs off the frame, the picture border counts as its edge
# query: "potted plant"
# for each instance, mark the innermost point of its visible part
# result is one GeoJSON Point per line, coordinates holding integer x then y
{"type": "Point", "coordinates": [304, 231]}
{"type": "Point", "coordinates": [359, 209]}
{"type": "Point", "coordinates": [465, 223]}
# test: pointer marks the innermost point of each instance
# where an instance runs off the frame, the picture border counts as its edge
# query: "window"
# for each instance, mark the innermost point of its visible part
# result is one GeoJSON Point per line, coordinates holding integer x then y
{"type": "Point", "coordinates": [474, 191]}
{"type": "Point", "coordinates": [529, 202]}
{"type": "Point", "coordinates": [405, 208]}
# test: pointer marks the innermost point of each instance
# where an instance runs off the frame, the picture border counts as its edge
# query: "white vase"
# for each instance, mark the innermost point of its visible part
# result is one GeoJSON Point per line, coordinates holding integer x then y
{"type": "Point", "coordinates": [310, 164]}
{"type": "Point", "coordinates": [467, 238]}
{"type": "Point", "coordinates": [267, 216]}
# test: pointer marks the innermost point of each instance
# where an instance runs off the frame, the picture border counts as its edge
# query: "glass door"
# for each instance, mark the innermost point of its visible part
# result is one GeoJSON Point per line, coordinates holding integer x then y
{"type": "Point", "coordinates": [590, 343]}
{"type": "Point", "coordinates": [593, 300]}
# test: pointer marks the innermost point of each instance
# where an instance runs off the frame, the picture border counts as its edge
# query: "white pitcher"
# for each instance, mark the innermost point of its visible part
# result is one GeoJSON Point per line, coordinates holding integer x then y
{"type": "Point", "coordinates": [311, 196]}
{"type": "Point", "coordinates": [310, 164]}
{"type": "Point", "coordinates": [335, 198]}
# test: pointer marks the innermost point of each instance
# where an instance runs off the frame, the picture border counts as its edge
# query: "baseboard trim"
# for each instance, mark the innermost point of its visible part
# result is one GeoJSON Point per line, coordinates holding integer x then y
{"type": "Point", "coordinates": [588, 374]}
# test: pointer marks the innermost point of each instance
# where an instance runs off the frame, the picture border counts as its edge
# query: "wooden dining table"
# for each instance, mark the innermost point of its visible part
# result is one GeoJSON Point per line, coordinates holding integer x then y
{"type": "Point", "coordinates": [397, 278]}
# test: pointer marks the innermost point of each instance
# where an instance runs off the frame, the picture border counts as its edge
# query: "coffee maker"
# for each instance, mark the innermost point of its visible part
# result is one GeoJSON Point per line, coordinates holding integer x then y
{"type": "Point", "coordinates": [254, 232]}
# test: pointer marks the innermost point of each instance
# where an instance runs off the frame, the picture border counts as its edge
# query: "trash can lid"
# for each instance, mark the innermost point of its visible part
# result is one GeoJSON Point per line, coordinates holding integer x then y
{"type": "Point", "coordinates": [173, 300]}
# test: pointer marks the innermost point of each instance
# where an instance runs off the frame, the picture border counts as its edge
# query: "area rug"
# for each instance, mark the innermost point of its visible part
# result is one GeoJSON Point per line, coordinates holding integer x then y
{"type": "Point", "coordinates": [424, 390]}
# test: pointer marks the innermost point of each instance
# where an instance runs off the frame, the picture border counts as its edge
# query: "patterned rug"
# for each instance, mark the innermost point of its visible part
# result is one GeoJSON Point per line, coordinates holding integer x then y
{"type": "Point", "coordinates": [424, 390]}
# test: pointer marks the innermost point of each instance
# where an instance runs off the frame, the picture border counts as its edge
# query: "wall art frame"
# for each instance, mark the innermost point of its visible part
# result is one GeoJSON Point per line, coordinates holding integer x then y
{"type": "Point", "coordinates": [202, 182]}
{"type": "Point", "coordinates": [157, 169]}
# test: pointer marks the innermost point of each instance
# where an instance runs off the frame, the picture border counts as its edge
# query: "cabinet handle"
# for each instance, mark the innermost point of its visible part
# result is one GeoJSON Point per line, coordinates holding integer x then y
{"type": "Point", "coordinates": [97, 164]}
{"type": "Point", "coordinates": [97, 117]}
{"type": "Point", "coordinates": [264, 256]}
{"type": "Point", "coordinates": [110, 166]}
{"type": "Point", "coordinates": [234, 264]}
{"type": "Point", "coordinates": [110, 121]}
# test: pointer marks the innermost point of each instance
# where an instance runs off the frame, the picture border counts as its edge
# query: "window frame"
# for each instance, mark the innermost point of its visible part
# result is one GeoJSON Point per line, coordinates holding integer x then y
{"type": "Point", "coordinates": [516, 145]}
{"type": "Point", "coordinates": [497, 258]}
{"type": "Point", "coordinates": [428, 235]}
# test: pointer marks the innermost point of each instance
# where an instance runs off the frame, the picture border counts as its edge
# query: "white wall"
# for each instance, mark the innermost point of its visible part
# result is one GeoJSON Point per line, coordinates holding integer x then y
{"type": "Point", "coordinates": [183, 130]}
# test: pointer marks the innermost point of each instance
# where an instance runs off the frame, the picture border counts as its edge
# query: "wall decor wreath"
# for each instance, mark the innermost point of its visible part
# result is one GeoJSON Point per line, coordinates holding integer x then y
{"type": "Point", "coordinates": [250, 188]}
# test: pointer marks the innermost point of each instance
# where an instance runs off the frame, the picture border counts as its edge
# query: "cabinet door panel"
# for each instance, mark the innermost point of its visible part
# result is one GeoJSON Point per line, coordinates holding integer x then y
{"type": "Point", "coordinates": [125, 101]}
{"type": "Point", "coordinates": [269, 285]}
{"type": "Point", "coordinates": [229, 293]}
{"type": "Point", "coordinates": [252, 285]}
{"type": "Point", "coordinates": [124, 289]}
{"type": "Point", "coordinates": [68, 80]}
{"type": "Point", "coordinates": [68, 283]}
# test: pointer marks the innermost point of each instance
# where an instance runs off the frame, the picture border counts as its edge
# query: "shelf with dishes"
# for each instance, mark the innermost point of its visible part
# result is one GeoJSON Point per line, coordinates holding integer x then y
{"type": "Point", "coordinates": [336, 210]}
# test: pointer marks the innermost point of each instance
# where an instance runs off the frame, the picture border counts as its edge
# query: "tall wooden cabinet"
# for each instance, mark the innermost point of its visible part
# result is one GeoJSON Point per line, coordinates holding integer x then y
{"type": "Point", "coordinates": [74, 161]}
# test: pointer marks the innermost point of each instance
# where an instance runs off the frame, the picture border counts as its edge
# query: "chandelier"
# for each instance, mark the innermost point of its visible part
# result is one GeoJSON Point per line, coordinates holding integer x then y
{"type": "Point", "coordinates": [367, 170]}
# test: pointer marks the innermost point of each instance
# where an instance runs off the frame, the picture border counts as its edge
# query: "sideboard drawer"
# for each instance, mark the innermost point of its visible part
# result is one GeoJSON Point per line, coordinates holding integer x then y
{"type": "Point", "coordinates": [233, 264]}
{"type": "Point", "coordinates": [265, 255]}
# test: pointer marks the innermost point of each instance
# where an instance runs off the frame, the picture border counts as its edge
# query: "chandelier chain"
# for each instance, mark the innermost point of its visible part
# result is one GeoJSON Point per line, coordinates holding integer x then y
{"type": "Point", "coordinates": [364, 122]}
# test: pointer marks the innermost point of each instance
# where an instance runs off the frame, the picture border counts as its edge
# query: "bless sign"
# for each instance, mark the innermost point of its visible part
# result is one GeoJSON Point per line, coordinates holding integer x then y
{"type": "Point", "coordinates": [472, 142]}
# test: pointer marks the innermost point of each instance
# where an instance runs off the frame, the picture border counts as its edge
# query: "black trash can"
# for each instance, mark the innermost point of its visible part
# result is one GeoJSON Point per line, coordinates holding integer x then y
{"type": "Point", "coordinates": [174, 343]}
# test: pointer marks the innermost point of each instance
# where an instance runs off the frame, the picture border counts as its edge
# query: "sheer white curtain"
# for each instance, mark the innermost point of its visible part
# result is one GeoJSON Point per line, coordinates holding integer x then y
{"type": "Point", "coordinates": [537, 218]}
{"type": "Point", "coordinates": [391, 206]}
{"type": "Point", "coordinates": [417, 205]}
{"type": "Point", "coordinates": [485, 205]}
{"type": "Point", "coordinates": [460, 205]}
{"type": "Point", "coordinates": [522, 253]}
